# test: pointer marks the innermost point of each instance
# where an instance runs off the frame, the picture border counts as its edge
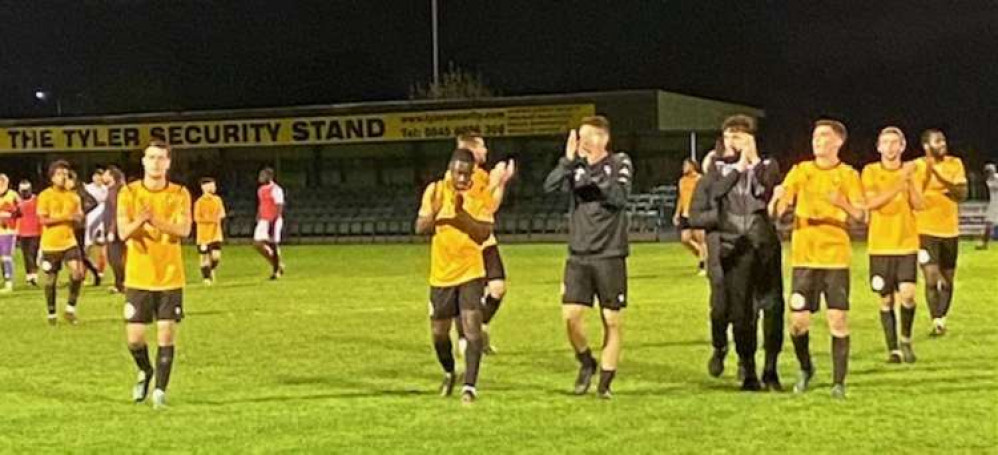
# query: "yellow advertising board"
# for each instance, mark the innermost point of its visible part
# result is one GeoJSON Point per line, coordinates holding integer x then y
{"type": "Point", "coordinates": [340, 129]}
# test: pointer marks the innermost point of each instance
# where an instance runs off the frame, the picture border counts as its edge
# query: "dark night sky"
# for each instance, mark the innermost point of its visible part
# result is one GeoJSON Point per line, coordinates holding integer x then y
{"type": "Point", "coordinates": [914, 63]}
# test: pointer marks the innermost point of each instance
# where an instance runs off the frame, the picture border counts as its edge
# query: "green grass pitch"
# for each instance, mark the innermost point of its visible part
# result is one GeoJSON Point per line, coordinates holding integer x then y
{"type": "Point", "coordinates": [336, 358]}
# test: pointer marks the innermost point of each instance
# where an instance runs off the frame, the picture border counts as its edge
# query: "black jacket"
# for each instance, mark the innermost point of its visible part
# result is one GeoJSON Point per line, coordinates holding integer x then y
{"type": "Point", "coordinates": [731, 207]}
{"type": "Point", "coordinates": [598, 211]}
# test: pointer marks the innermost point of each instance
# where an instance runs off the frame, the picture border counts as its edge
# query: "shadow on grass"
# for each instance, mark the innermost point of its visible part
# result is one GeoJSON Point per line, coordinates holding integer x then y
{"type": "Point", "coordinates": [350, 394]}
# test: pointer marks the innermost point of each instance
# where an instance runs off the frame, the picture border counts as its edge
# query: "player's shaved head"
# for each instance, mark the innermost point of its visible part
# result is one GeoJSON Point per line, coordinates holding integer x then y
{"type": "Point", "coordinates": [266, 175]}
{"type": "Point", "coordinates": [934, 142]}
{"type": "Point", "coordinates": [462, 164]}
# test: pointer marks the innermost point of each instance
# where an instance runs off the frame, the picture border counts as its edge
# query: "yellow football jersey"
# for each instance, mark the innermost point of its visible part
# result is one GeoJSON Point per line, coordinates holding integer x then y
{"type": "Point", "coordinates": [154, 258]}
{"type": "Point", "coordinates": [454, 257]}
{"type": "Point", "coordinates": [892, 229]}
{"type": "Point", "coordinates": [941, 216]}
{"type": "Point", "coordinates": [208, 213]}
{"type": "Point", "coordinates": [58, 203]}
{"type": "Point", "coordinates": [687, 185]}
{"type": "Point", "coordinates": [821, 230]}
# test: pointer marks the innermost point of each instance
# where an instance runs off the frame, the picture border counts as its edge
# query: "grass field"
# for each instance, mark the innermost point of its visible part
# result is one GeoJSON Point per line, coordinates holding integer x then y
{"type": "Point", "coordinates": [336, 358]}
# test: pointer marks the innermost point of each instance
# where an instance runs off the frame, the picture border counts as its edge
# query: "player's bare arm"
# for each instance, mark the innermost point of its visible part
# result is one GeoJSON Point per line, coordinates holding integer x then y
{"type": "Point", "coordinates": [557, 180]}
{"type": "Point", "coordinates": [876, 200]}
{"type": "Point", "coordinates": [180, 228]}
{"type": "Point", "coordinates": [498, 180]}
{"type": "Point", "coordinates": [955, 191]}
{"type": "Point", "coordinates": [914, 191]}
{"type": "Point", "coordinates": [128, 227]}
{"type": "Point", "coordinates": [840, 200]}
{"type": "Point", "coordinates": [424, 221]}
{"type": "Point", "coordinates": [478, 230]}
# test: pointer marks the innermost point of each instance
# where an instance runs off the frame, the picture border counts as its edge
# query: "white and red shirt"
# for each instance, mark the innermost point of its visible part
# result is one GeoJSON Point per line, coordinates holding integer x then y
{"type": "Point", "coordinates": [268, 197]}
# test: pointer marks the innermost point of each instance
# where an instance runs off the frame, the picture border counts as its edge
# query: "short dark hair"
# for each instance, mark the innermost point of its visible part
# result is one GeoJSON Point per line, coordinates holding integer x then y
{"type": "Point", "coordinates": [58, 164]}
{"type": "Point", "coordinates": [837, 127]}
{"type": "Point", "coordinates": [161, 144]}
{"type": "Point", "coordinates": [116, 173]}
{"type": "Point", "coordinates": [207, 180]}
{"type": "Point", "coordinates": [468, 134]}
{"type": "Point", "coordinates": [463, 155]}
{"type": "Point", "coordinates": [927, 134]}
{"type": "Point", "coordinates": [597, 121]}
{"type": "Point", "coordinates": [740, 123]}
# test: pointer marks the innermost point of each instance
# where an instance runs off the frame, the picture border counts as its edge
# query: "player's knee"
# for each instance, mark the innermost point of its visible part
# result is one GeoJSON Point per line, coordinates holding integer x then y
{"type": "Point", "coordinates": [838, 323]}
{"type": "Point", "coordinates": [612, 324]}
{"type": "Point", "coordinates": [165, 333]}
{"type": "Point", "coordinates": [570, 313]}
{"type": "Point", "coordinates": [907, 294]}
{"type": "Point", "coordinates": [799, 323]}
{"type": "Point", "coordinates": [497, 288]}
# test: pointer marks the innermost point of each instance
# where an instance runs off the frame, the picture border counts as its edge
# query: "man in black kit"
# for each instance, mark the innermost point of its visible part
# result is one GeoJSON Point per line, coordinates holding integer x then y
{"type": "Point", "coordinates": [600, 183]}
{"type": "Point", "coordinates": [744, 257]}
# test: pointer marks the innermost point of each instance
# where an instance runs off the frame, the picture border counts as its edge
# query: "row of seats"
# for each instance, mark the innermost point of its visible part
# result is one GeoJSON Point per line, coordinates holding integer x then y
{"type": "Point", "coordinates": [391, 213]}
{"type": "Point", "coordinates": [511, 224]}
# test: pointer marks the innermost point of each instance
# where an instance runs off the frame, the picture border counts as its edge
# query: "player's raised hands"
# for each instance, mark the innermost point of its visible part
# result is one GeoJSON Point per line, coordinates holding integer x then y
{"type": "Point", "coordinates": [502, 173]}
{"type": "Point", "coordinates": [572, 145]}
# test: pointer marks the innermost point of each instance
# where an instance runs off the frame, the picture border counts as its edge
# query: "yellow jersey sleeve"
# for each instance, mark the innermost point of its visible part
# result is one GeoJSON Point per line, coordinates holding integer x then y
{"type": "Point", "coordinates": [791, 184]}
{"type": "Point", "coordinates": [426, 204]}
{"type": "Point", "coordinates": [42, 207]}
{"type": "Point", "coordinates": [941, 215]}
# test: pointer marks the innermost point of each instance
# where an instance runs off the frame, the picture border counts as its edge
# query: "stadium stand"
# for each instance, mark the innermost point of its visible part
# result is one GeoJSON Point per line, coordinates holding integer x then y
{"type": "Point", "coordinates": [387, 214]}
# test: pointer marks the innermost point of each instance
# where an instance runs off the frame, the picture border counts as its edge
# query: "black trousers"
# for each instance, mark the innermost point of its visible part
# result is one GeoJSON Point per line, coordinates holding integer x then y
{"type": "Point", "coordinates": [29, 249]}
{"type": "Point", "coordinates": [752, 281]}
{"type": "Point", "coordinates": [116, 257]}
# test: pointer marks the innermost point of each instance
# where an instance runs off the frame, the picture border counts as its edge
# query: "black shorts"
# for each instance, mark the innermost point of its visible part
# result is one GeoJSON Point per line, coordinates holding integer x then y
{"type": "Point", "coordinates": [684, 224]}
{"type": "Point", "coordinates": [941, 251]}
{"type": "Point", "coordinates": [209, 247]}
{"type": "Point", "coordinates": [808, 285]}
{"type": "Point", "coordinates": [887, 272]}
{"type": "Point", "coordinates": [52, 260]}
{"type": "Point", "coordinates": [448, 302]}
{"type": "Point", "coordinates": [603, 278]}
{"type": "Point", "coordinates": [494, 268]}
{"type": "Point", "coordinates": [144, 307]}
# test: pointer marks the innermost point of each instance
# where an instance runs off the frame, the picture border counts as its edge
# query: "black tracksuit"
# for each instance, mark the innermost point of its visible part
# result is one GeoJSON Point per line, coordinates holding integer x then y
{"type": "Point", "coordinates": [744, 256]}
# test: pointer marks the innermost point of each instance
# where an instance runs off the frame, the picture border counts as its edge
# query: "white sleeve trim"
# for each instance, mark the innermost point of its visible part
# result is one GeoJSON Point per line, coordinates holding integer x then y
{"type": "Point", "coordinates": [278, 193]}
